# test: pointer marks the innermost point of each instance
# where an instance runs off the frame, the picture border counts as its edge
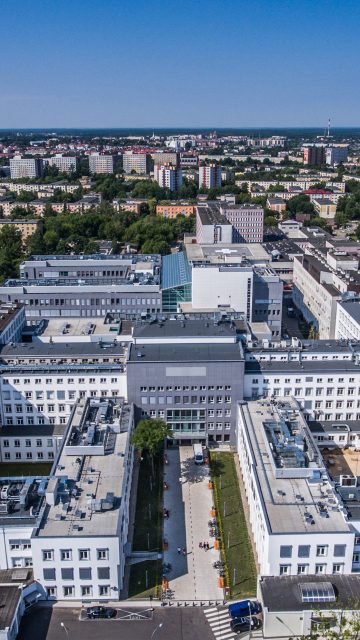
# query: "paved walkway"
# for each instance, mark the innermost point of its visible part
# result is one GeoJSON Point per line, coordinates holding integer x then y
{"type": "Point", "coordinates": [189, 503]}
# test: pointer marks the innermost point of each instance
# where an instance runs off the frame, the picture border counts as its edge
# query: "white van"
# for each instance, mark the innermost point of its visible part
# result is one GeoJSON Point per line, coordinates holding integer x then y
{"type": "Point", "coordinates": [198, 454]}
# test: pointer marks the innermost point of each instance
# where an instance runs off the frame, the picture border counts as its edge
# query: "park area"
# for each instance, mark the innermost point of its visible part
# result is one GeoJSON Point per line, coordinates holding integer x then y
{"type": "Point", "coordinates": [235, 542]}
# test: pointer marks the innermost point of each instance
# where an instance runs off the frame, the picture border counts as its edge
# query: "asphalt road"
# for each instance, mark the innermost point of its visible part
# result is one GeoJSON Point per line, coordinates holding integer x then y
{"type": "Point", "coordinates": [178, 623]}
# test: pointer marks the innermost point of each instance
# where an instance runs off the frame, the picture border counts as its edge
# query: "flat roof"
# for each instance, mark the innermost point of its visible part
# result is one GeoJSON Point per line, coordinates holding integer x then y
{"type": "Point", "coordinates": [95, 326]}
{"type": "Point", "coordinates": [352, 307]}
{"type": "Point", "coordinates": [291, 500]}
{"type": "Point", "coordinates": [282, 593]}
{"type": "Point", "coordinates": [184, 328]}
{"type": "Point", "coordinates": [210, 214]}
{"type": "Point", "coordinates": [226, 253]}
{"type": "Point", "coordinates": [98, 476]}
{"type": "Point", "coordinates": [304, 366]}
{"type": "Point", "coordinates": [7, 313]}
{"type": "Point", "coordinates": [188, 353]}
{"type": "Point", "coordinates": [40, 349]}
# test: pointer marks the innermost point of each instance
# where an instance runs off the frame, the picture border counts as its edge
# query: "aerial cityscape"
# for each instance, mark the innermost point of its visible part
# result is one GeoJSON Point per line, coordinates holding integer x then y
{"type": "Point", "coordinates": [179, 322]}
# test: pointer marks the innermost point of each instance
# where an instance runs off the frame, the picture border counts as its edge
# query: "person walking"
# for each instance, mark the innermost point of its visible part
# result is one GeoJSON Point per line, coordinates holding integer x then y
{"type": "Point", "coordinates": [184, 551]}
{"type": "Point", "coordinates": [201, 545]}
{"type": "Point", "coordinates": [179, 550]}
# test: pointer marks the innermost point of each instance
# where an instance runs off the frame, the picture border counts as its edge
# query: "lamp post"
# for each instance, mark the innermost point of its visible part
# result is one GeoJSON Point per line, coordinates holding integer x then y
{"type": "Point", "coordinates": [155, 630]}
{"type": "Point", "coordinates": [65, 629]}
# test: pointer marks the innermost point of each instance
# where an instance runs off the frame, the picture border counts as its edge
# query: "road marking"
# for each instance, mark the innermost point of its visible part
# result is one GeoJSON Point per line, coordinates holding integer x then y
{"type": "Point", "coordinates": [219, 622]}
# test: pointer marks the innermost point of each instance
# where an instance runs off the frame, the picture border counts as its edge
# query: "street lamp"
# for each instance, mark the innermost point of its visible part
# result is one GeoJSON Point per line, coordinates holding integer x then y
{"type": "Point", "coordinates": [155, 630]}
{"type": "Point", "coordinates": [65, 629]}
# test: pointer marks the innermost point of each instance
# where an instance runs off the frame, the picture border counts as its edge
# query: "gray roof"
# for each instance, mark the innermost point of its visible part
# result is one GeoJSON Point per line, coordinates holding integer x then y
{"type": "Point", "coordinates": [306, 366]}
{"type": "Point", "coordinates": [187, 328]}
{"type": "Point", "coordinates": [185, 353]}
{"type": "Point", "coordinates": [282, 593]}
{"type": "Point", "coordinates": [27, 431]}
{"type": "Point", "coordinates": [46, 349]}
{"type": "Point", "coordinates": [342, 426]}
{"type": "Point", "coordinates": [352, 307]}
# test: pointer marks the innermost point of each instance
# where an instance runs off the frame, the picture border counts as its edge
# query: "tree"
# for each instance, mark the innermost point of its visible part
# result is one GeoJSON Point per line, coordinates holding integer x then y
{"type": "Point", "coordinates": [149, 436]}
{"type": "Point", "coordinates": [10, 251]}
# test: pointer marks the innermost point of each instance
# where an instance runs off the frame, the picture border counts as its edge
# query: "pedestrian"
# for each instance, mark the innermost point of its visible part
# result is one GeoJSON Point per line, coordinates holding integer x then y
{"type": "Point", "coordinates": [179, 550]}
{"type": "Point", "coordinates": [207, 546]}
{"type": "Point", "coordinates": [201, 545]}
{"type": "Point", "coordinates": [204, 546]}
{"type": "Point", "coordinates": [184, 551]}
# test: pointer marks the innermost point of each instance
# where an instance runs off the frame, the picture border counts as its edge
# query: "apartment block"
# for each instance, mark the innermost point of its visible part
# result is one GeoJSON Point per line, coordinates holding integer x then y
{"type": "Point", "coordinates": [314, 155]}
{"type": "Point", "coordinates": [139, 163]}
{"type": "Point", "coordinates": [175, 209]}
{"type": "Point", "coordinates": [247, 221]}
{"type": "Point", "coordinates": [25, 226]}
{"type": "Point", "coordinates": [168, 177]}
{"type": "Point", "coordinates": [99, 163]}
{"type": "Point", "coordinates": [65, 164]}
{"type": "Point", "coordinates": [25, 167]}
{"type": "Point", "coordinates": [209, 176]}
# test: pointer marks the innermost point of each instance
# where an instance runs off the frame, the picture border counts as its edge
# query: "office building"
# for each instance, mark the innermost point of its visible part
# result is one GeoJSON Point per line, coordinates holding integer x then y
{"type": "Point", "coordinates": [325, 208]}
{"type": "Point", "coordinates": [168, 177]}
{"type": "Point", "coordinates": [212, 227]}
{"type": "Point", "coordinates": [65, 164]}
{"type": "Point", "coordinates": [25, 167]}
{"type": "Point", "coordinates": [209, 176]}
{"type": "Point", "coordinates": [298, 524]}
{"type": "Point", "coordinates": [319, 280]}
{"type": "Point", "coordinates": [314, 155]}
{"type": "Point", "coordinates": [12, 322]}
{"type": "Point", "coordinates": [348, 319]}
{"type": "Point", "coordinates": [138, 163]}
{"type": "Point", "coordinates": [188, 373]}
{"type": "Point", "coordinates": [247, 221]}
{"type": "Point", "coordinates": [78, 549]}
{"type": "Point", "coordinates": [101, 164]}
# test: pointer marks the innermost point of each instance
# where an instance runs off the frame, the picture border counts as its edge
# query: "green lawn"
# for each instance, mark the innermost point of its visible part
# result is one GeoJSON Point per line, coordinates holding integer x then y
{"type": "Point", "coordinates": [236, 545]}
{"type": "Point", "coordinates": [12, 469]}
{"type": "Point", "coordinates": [148, 531]}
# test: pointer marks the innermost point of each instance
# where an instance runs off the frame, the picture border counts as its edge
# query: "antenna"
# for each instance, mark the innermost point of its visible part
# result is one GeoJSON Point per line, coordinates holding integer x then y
{"type": "Point", "coordinates": [328, 129]}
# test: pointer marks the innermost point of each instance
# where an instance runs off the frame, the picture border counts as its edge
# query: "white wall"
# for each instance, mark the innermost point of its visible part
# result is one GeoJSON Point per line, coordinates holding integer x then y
{"type": "Point", "coordinates": [221, 286]}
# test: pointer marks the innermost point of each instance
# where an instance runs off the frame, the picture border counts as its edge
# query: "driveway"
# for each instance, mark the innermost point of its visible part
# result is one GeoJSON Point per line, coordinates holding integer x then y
{"type": "Point", "coordinates": [189, 502]}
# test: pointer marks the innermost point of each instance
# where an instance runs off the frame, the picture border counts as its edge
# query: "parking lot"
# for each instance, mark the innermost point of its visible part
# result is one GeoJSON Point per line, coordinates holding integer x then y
{"type": "Point", "coordinates": [189, 501]}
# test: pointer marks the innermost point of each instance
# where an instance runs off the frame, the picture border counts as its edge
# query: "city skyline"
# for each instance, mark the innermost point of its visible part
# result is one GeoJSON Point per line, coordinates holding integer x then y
{"type": "Point", "coordinates": [179, 65]}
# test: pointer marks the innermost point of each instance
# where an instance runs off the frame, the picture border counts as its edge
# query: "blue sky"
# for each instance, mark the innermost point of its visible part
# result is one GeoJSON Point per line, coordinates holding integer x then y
{"type": "Point", "coordinates": [163, 63]}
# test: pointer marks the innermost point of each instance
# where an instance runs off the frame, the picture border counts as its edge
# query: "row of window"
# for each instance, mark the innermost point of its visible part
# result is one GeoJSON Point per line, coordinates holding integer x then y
{"type": "Point", "coordinates": [67, 554]}
{"type": "Point", "coordinates": [85, 573]}
{"type": "Point", "coordinates": [221, 387]}
{"type": "Point", "coordinates": [60, 380]}
{"type": "Point", "coordinates": [307, 379]}
{"type": "Point", "coordinates": [85, 590]}
{"type": "Point", "coordinates": [29, 455]}
{"type": "Point", "coordinates": [285, 569]}
{"type": "Point", "coordinates": [185, 400]}
{"type": "Point", "coordinates": [28, 443]}
{"type": "Point", "coordinates": [303, 551]}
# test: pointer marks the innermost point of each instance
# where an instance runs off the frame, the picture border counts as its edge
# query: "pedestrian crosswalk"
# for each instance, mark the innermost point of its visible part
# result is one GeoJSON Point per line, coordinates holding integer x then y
{"type": "Point", "coordinates": [219, 621]}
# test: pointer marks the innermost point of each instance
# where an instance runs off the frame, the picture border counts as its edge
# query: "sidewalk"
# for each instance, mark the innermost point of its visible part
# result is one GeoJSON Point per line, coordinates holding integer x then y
{"type": "Point", "coordinates": [189, 503]}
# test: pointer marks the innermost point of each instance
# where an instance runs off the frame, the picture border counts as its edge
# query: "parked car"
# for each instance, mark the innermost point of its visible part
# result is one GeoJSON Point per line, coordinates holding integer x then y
{"type": "Point", "coordinates": [239, 625]}
{"type": "Point", "coordinates": [243, 608]}
{"type": "Point", "coordinates": [100, 612]}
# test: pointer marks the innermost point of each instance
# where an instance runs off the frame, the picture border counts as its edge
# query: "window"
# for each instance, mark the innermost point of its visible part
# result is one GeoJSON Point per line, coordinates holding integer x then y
{"type": "Point", "coordinates": [86, 590]}
{"type": "Point", "coordinates": [337, 568]}
{"type": "Point", "coordinates": [103, 573]}
{"type": "Point", "coordinates": [68, 592]}
{"type": "Point", "coordinates": [84, 554]}
{"type": "Point", "coordinates": [302, 568]}
{"type": "Point", "coordinates": [285, 569]}
{"type": "Point", "coordinates": [285, 551]}
{"type": "Point", "coordinates": [321, 550]}
{"type": "Point", "coordinates": [102, 554]}
{"type": "Point", "coordinates": [51, 592]}
{"type": "Point", "coordinates": [104, 590]}
{"type": "Point", "coordinates": [304, 551]}
{"type": "Point", "coordinates": [5, 443]}
{"type": "Point", "coordinates": [49, 574]}
{"type": "Point", "coordinates": [85, 573]}
{"type": "Point", "coordinates": [67, 574]}
{"type": "Point", "coordinates": [66, 554]}
{"type": "Point", "coordinates": [339, 550]}
{"type": "Point", "coordinates": [320, 568]}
